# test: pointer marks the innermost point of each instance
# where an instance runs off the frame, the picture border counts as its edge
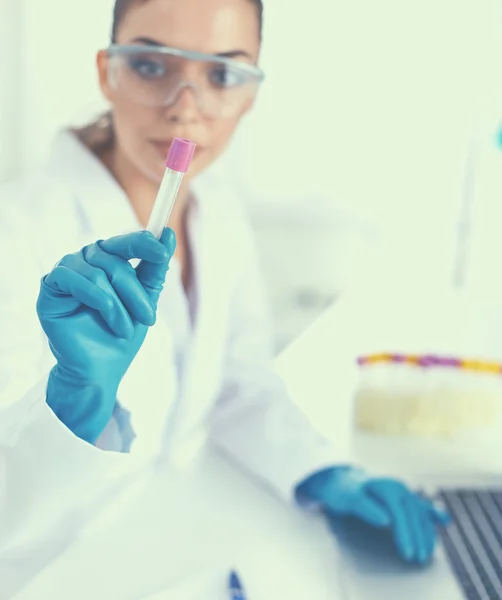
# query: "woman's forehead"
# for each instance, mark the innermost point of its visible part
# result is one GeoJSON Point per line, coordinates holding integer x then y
{"type": "Point", "coordinates": [212, 26]}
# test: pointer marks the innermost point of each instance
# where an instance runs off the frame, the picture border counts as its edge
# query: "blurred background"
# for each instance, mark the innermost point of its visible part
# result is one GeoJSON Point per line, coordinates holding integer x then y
{"type": "Point", "coordinates": [373, 114]}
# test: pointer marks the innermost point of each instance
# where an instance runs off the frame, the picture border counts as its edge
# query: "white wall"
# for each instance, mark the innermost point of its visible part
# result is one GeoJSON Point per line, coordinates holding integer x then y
{"type": "Point", "coordinates": [10, 58]}
{"type": "Point", "coordinates": [378, 104]}
{"type": "Point", "coordinates": [366, 116]}
{"type": "Point", "coordinates": [51, 71]}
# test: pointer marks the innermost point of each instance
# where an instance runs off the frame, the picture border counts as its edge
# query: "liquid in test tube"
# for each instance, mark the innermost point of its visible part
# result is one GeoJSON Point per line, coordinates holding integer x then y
{"type": "Point", "coordinates": [177, 163]}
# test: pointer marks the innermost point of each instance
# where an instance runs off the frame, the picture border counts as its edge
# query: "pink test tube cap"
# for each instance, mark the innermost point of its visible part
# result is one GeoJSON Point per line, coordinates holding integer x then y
{"type": "Point", "coordinates": [180, 155]}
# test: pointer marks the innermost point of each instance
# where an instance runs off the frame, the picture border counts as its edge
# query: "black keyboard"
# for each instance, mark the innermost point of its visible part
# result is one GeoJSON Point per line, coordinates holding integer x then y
{"type": "Point", "coordinates": [473, 542]}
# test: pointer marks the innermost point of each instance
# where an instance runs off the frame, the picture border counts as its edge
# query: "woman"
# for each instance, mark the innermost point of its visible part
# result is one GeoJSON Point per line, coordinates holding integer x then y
{"type": "Point", "coordinates": [176, 68]}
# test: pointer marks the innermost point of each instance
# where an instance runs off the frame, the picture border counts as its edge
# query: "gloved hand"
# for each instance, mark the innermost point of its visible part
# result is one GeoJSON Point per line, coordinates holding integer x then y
{"type": "Point", "coordinates": [95, 309]}
{"type": "Point", "coordinates": [382, 503]}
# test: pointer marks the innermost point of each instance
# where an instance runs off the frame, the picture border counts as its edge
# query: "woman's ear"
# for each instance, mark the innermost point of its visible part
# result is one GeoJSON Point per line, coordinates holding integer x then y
{"type": "Point", "coordinates": [102, 66]}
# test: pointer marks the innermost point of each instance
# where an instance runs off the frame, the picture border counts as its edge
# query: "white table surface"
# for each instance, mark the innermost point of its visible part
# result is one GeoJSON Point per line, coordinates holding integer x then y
{"type": "Point", "coordinates": [172, 525]}
{"type": "Point", "coordinates": [175, 524]}
{"type": "Point", "coordinates": [208, 515]}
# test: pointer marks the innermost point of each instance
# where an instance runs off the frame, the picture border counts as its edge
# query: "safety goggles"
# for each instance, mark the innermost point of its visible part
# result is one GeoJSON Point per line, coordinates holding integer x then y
{"type": "Point", "coordinates": [156, 75]}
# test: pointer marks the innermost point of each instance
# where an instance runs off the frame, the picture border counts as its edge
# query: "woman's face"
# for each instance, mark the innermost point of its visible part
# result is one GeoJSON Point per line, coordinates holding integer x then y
{"type": "Point", "coordinates": [144, 133]}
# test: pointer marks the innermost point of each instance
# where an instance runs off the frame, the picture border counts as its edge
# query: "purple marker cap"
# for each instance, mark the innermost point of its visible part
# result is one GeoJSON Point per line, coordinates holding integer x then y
{"type": "Point", "coordinates": [449, 362]}
{"type": "Point", "coordinates": [398, 358]}
{"type": "Point", "coordinates": [428, 360]}
{"type": "Point", "coordinates": [180, 155]}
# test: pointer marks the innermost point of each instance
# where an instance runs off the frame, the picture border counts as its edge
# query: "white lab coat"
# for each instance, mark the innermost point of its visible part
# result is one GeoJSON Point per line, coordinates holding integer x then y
{"type": "Point", "coordinates": [224, 386]}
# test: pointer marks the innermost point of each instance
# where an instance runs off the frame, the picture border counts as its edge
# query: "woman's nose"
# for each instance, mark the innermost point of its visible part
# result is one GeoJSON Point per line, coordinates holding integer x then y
{"type": "Point", "coordinates": [185, 107]}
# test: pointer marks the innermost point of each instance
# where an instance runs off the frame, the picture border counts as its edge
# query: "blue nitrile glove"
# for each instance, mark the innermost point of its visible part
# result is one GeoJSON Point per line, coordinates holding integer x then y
{"type": "Point", "coordinates": [382, 503]}
{"type": "Point", "coordinates": [95, 308]}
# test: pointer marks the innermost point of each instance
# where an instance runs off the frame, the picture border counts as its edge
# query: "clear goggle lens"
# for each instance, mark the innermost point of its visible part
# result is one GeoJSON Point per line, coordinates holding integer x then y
{"type": "Point", "coordinates": [155, 76]}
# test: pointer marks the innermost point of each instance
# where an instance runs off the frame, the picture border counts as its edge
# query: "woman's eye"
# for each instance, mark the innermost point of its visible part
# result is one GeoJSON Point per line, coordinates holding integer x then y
{"type": "Point", "coordinates": [146, 68]}
{"type": "Point", "coordinates": [224, 77]}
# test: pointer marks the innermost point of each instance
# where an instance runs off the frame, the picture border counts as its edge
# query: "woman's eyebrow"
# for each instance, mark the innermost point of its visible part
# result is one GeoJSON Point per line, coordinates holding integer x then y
{"type": "Point", "coordinates": [235, 54]}
{"type": "Point", "coordinates": [146, 41]}
{"type": "Point", "coordinates": [230, 54]}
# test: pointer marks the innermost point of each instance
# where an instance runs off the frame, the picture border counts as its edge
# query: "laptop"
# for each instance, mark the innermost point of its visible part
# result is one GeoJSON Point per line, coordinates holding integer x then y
{"type": "Point", "coordinates": [467, 563]}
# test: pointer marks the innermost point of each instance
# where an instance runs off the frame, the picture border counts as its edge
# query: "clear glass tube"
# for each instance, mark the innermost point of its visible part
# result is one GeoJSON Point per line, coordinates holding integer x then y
{"type": "Point", "coordinates": [164, 202]}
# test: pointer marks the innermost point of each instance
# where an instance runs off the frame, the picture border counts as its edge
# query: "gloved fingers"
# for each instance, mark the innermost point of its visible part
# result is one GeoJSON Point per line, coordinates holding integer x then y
{"type": "Point", "coordinates": [117, 318]}
{"type": "Point", "coordinates": [440, 516]}
{"type": "Point", "coordinates": [413, 518]}
{"type": "Point", "coordinates": [140, 244]}
{"type": "Point", "coordinates": [420, 527]}
{"type": "Point", "coordinates": [56, 298]}
{"type": "Point", "coordinates": [370, 511]}
{"type": "Point", "coordinates": [63, 282]}
{"type": "Point", "coordinates": [152, 276]}
{"type": "Point", "coordinates": [436, 511]}
{"type": "Point", "coordinates": [402, 529]}
{"type": "Point", "coordinates": [428, 524]}
{"type": "Point", "coordinates": [93, 289]}
{"type": "Point", "coordinates": [122, 277]}
{"type": "Point", "coordinates": [392, 494]}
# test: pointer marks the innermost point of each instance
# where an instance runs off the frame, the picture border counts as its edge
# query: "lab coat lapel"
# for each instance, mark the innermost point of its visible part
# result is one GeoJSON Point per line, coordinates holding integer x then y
{"type": "Point", "coordinates": [149, 388]}
{"type": "Point", "coordinates": [103, 207]}
{"type": "Point", "coordinates": [205, 355]}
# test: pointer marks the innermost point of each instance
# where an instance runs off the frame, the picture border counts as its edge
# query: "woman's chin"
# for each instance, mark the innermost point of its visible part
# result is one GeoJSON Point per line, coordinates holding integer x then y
{"type": "Point", "coordinates": [154, 170]}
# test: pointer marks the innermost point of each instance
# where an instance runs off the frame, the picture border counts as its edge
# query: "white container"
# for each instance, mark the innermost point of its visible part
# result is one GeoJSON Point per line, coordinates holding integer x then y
{"type": "Point", "coordinates": [434, 401]}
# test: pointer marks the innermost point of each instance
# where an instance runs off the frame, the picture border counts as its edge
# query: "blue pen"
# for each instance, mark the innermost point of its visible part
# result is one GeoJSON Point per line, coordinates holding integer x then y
{"type": "Point", "coordinates": [235, 587]}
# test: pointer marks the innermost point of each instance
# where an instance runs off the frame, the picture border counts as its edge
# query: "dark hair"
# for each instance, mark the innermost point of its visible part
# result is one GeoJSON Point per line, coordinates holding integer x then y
{"type": "Point", "coordinates": [122, 6]}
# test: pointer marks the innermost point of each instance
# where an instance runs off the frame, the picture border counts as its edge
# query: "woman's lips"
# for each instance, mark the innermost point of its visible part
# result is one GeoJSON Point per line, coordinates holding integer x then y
{"type": "Point", "coordinates": [163, 148]}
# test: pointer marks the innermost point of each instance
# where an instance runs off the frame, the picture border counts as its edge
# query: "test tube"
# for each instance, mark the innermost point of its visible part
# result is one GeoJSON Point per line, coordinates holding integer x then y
{"type": "Point", "coordinates": [177, 163]}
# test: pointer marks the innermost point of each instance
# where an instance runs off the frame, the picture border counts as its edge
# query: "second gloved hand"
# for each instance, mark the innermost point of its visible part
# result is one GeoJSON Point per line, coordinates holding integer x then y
{"type": "Point", "coordinates": [382, 503]}
{"type": "Point", "coordinates": [95, 309]}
